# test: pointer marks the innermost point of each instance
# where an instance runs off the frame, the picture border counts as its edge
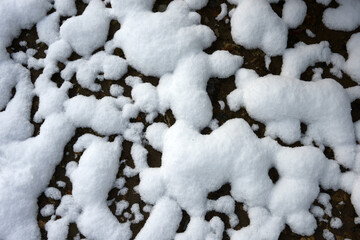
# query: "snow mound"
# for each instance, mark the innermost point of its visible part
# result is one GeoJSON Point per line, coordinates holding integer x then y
{"type": "Point", "coordinates": [343, 18]}
{"type": "Point", "coordinates": [255, 25]}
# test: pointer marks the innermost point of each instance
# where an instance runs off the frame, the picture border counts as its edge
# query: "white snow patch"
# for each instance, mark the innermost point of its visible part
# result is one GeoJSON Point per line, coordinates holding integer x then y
{"type": "Point", "coordinates": [87, 32]}
{"type": "Point", "coordinates": [175, 33]}
{"type": "Point", "coordinates": [53, 193]}
{"type": "Point", "coordinates": [48, 28]}
{"type": "Point", "coordinates": [65, 7]}
{"type": "Point", "coordinates": [294, 12]}
{"type": "Point", "coordinates": [345, 17]}
{"type": "Point", "coordinates": [296, 60]}
{"type": "Point", "coordinates": [352, 64]}
{"type": "Point", "coordinates": [255, 25]}
{"type": "Point", "coordinates": [47, 210]}
{"type": "Point", "coordinates": [336, 223]}
{"type": "Point", "coordinates": [92, 180]}
{"type": "Point", "coordinates": [222, 13]}
{"type": "Point", "coordinates": [310, 33]}
{"type": "Point", "coordinates": [282, 103]}
{"type": "Point", "coordinates": [87, 71]}
{"type": "Point", "coordinates": [162, 222]}
{"type": "Point", "coordinates": [323, 2]}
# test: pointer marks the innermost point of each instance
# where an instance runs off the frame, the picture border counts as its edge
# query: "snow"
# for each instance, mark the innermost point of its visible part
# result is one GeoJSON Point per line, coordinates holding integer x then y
{"type": "Point", "coordinates": [328, 235]}
{"type": "Point", "coordinates": [196, 4]}
{"type": "Point", "coordinates": [87, 71]}
{"type": "Point", "coordinates": [317, 74]}
{"type": "Point", "coordinates": [61, 184]}
{"type": "Point", "coordinates": [225, 204]}
{"type": "Point", "coordinates": [310, 33]}
{"type": "Point", "coordinates": [262, 225]}
{"type": "Point", "coordinates": [336, 223]}
{"type": "Point", "coordinates": [255, 25]}
{"type": "Point", "coordinates": [343, 18]}
{"type": "Point", "coordinates": [16, 16]}
{"type": "Point", "coordinates": [92, 180]}
{"type": "Point", "coordinates": [357, 130]}
{"type": "Point", "coordinates": [262, 190]}
{"type": "Point", "coordinates": [155, 134]}
{"type": "Point", "coordinates": [296, 60]}
{"type": "Point", "coordinates": [48, 28]}
{"type": "Point", "coordinates": [163, 221]}
{"type": "Point", "coordinates": [116, 90]}
{"type": "Point", "coordinates": [90, 112]}
{"type": "Point", "coordinates": [135, 210]}
{"type": "Point", "coordinates": [119, 183]}
{"type": "Point", "coordinates": [47, 210]}
{"type": "Point", "coordinates": [317, 211]}
{"type": "Point", "coordinates": [267, 61]}
{"type": "Point", "coordinates": [17, 113]}
{"type": "Point", "coordinates": [169, 46]}
{"type": "Point", "coordinates": [338, 62]}
{"type": "Point", "coordinates": [139, 156]}
{"type": "Point", "coordinates": [34, 175]}
{"type": "Point", "coordinates": [283, 102]}
{"type": "Point", "coordinates": [53, 193]}
{"type": "Point", "coordinates": [23, 43]}
{"type": "Point", "coordinates": [324, 2]}
{"type": "Point", "coordinates": [192, 75]}
{"type": "Point", "coordinates": [294, 12]}
{"type": "Point", "coordinates": [123, 191]}
{"type": "Point", "coordinates": [121, 206]}
{"type": "Point", "coordinates": [146, 98]}
{"type": "Point", "coordinates": [222, 105]}
{"type": "Point", "coordinates": [352, 64]}
{"type": "Point", "coordinates": [87, 32]}
{"type": "Point", "coordinates": [56, 229]}
{"type": "Point", "coordinates": [354, 93]}
{"type": "Point", "coordinates": [199, 229]}
{"type": "Point", "coordinates": [174, 33]}
{"type": "Point", "coordinates": [223, 12]}
{"type": "Point", "coordinates": [65, 7]}
{"type": "Point", "coordinates": [324, 199]}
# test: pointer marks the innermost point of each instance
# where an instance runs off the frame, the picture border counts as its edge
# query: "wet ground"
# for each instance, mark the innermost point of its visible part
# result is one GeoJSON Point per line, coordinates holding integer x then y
{"type": "Point", "coordinates": [217, 89]}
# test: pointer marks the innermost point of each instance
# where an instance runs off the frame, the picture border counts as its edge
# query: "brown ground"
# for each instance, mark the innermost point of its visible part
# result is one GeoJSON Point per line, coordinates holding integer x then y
{"type": "Point", "coordinates": [217, 89]}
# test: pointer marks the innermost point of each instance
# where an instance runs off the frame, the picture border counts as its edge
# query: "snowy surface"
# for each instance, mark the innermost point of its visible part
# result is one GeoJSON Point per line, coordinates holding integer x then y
{"type": "Point", "coordinates": [99, 105]}
{"type": "Point", "coordinates": [345, 17]}
{"type": "Point", "coordinates": [262, 29]}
